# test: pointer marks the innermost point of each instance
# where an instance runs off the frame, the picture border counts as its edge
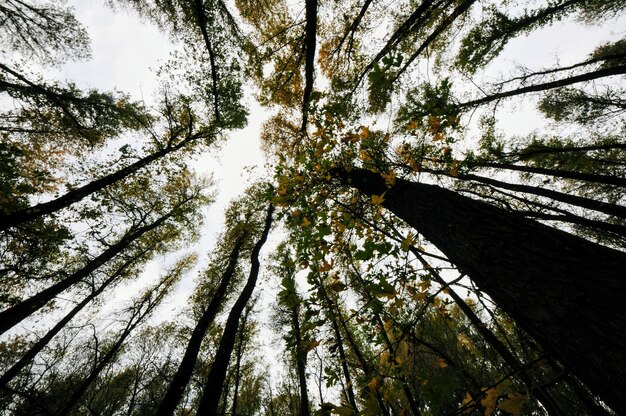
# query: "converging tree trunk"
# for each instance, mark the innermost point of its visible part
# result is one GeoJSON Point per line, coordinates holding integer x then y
{"type": "Point", "coordinates": [13, 219]}
{"type": "Point", "coordinates": [215, 381]}
{"type": "Point", "coordinates": [568, 293]}
{"type": "Point", "coordinates": [185, 369]}
{"type": "Point", "coordinates": [15, 314]}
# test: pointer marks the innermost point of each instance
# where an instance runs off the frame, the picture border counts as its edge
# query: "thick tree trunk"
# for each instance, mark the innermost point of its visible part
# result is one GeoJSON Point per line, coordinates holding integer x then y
{"type": "Point", "coordinates": [511, 360]}
{"type": "Point", "coordinates": [185, 369]}
{"type": "Point", "coordinates": [215, 381]}
{"type": "Point", "coordinates": [568, 293]}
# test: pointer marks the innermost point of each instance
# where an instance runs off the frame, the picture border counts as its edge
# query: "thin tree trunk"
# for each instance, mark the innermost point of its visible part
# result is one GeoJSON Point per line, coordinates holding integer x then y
{"type": "Point", "coordinates": [43, 341]}
{"type": "Point", "coordinates": [15, 314]}
{"type": "Point", "coordinates": [564, 291]}
{"type": "Point", "coordinates": [589, 76]}
{"type": "Point", "coordinates": [175, 390]}
{"type": "Point", "coordinates": [607, 208]}
{"type": "Point", "coordinates": [310, 42]}
{"type": "Point", "coordinates": [15, 218]}
{"type": "Point", "coordinates": [333, 310]}
{"type": "Point", "coordinates": [149, 302]}
{"type": "Point", "coordinates": [202, 24]}
{"type": "Point", "coordinates": [300, 363]}
{"type": "Point", "coordinates": [215, 381]}
{"type": "Point", "coordinates": [587, 177]}
{"type": "Point", "coordinates": [344, 365]}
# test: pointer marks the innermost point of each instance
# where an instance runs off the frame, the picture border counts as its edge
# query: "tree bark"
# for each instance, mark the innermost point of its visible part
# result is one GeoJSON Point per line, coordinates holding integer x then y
{"type": "Point", "coordinates": [300, 362]}
{"type": "Point", "coordinates": [15, 314]}
{"type": "Point", "coordinates": [215, 381]}
{"type": "Point", "coordinates": [566, 292]}
{"type": "Point", "coordinates": [185, 369]}
{"type": "Point", "coordinates": [43, 341]}
{"type": "Point", "coordinates": [13, 219]}
{"type": "Point", "coordinates": [310, 41]}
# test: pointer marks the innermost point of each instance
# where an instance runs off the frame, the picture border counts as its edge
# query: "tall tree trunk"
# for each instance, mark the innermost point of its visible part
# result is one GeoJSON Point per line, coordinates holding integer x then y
{"type": "Point", "coordinates": [146, 305]}
{"type": "Point", "coordinates": [344, 365]}
{"type": "Point", "coordinates": [511, 360]}
{"type": "Point", "coordinates": [300, 362]}
{"type": "Point", "coordinates": [589, 76]}
{"type": "Point", "coordinates": [310, 42]}
{"type": "Point", "coordinates": [215, 381]}
{"type": "Point", "coordinates": [581, 176]}
{"type": "Point", "coordinates": [333, 310]}
{"type": "Point", "coordinates": [15, 314]}
{"type": "Point", "coordinates": [240, 345]}
{"type": "Point", "coordinates": [180, 380]}
{"type": "Point", "coordinates": [43, 341]}
{"type": "Point", "coordinates": [568, 293]}
{"type": "Point", "coordinates": [13, 219]}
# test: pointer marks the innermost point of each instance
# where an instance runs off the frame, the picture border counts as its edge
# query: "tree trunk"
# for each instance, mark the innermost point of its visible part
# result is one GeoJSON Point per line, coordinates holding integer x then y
{"type": "Point", "coordinates": [15, 314]}
{"type": "Point", "coordinates": [589, 76]}
{"type": "Point", "coordinates": [568, 293]}
{"type": "Point", "coordinates": [511, 360]}
{"type": "Point", "coordinates": [300, 362]}
{"type": "Point", "coordinates": [581, 176]}
{"type": "Point", "coordinates": [19, 217]}
{"type": "Point", "coordinates": [344, 365]}
{"type": "Point", "coordinates": [43, 341]}
{"type": "Point", "coordinates": [215, 381]}
{"type": "Point", "coordinates": [185, 369]}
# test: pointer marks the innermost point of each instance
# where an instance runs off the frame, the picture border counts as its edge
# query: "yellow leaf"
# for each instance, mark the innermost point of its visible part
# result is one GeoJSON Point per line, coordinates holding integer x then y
{"type": "Point", "coordinates": [390, 178]}
{"type": "Point", "coordinates": [513, 403]}
{"type": "Point", "coordinates": [306, 222]}
{"type": "Point", "coordinates": [407, 242]}
{"type": "Point", "coordinates": [489, 401]}
{"type": "Point", "coordinates": [296, 213]}
{"type": "Point", "coordinates": [441, 362]}
{"type": "Point", "coordinates": [378, 199]}
{"type": "Point", "coordinates": [454, 169]}
{"type": "Point", "coordinates": [373, 384]}
{"type": "Point", "coordinates": [308, 346]}
{"type": "Point", "coordinates": [365, 132]}
{"type": "Point", "coordinates": [466, 401]}
{"type": "Point", "coordinates": [412, 125]}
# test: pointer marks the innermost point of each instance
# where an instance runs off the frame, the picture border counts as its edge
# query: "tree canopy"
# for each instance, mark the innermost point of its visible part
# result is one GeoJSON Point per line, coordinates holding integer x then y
{"type": "Point", "coordinates": [428, 256]}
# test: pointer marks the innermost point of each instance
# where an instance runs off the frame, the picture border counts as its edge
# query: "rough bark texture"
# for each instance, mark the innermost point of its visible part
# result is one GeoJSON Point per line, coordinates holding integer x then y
{"type": "Point", "coordinates": [568, 293]}
{"type": "Point", "coordinates": [217, 374]}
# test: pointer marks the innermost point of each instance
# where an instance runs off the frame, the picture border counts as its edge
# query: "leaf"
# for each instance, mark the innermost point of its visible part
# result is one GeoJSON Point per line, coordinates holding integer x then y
{"type": "Point", "coordinates": [441, 362]}
{"type": "Point", "coordinates": [306, 222]}
{"type": "Point", "coordinates": [378, 199]}
{"type": "Point", "coordinates": [489, 401]}
{"type": "Point", "coordinates": [310, 345]}
{"type": "Point", "coordinates": [513, 404]}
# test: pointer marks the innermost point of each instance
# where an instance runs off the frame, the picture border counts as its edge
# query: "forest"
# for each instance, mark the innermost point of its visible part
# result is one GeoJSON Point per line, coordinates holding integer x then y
{"type": "Point", "coordinates": [423, 254]}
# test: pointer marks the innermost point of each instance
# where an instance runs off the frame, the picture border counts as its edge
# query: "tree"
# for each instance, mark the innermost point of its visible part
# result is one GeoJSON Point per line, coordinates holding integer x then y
{"type": "Point", "coordinates": [435, 262]}
{"type": "Point", "coordinates": [215, 380]}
